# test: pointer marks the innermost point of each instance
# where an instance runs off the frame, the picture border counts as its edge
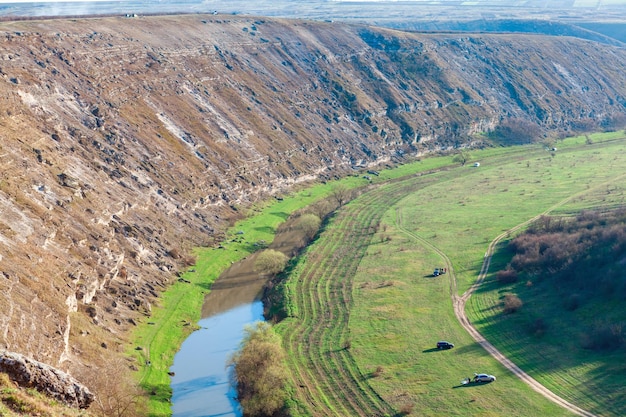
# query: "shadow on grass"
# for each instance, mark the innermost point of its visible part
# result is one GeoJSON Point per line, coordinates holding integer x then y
{"type": "Point", "coordinates": [472, 384]}
{"type": "Point", "coordinates": [266, 229]}
{"type": "Point", "coordinates": [283, 215]}
{"type": "Point", "coordinates": [159, 393]}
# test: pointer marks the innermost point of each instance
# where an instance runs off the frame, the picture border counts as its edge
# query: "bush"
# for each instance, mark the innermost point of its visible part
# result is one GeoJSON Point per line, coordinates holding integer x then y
{"type": "Point", "coordinates": [538, 328]}
{"type": "Point", "coordinates": [572, 302]}
{"type": "Point", "coordinates": [270, 262]}
{"type": "Point", "coordinates": [378, 372]}
{"type": "Point", "coordinates": [507, 276]}
{"type": "Point", "coordinates": [512, 303]}
{"type": "Point", "coordinates": [310, 225]}
{"type": "Point", "coordinates": [260, 372]}
{"type": "Point", "coordinates": [517, 132]}
{"type": "Point", "coordinates": [604, 336]}
{"type": "Point", "coordinates": [407, 409]}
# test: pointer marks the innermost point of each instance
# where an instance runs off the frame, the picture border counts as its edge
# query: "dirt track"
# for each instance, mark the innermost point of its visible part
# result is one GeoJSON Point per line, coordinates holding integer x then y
{"type": "Point", "coordinates": [459, 310]}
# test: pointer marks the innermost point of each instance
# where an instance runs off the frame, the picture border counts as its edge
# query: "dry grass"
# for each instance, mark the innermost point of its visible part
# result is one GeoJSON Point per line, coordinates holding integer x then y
{"type": "Point", "coordinates": [15, 401]}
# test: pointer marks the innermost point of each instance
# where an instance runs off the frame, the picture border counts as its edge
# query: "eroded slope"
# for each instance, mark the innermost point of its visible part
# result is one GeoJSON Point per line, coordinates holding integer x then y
{"type": "Point", "coordinates": [126, 141]}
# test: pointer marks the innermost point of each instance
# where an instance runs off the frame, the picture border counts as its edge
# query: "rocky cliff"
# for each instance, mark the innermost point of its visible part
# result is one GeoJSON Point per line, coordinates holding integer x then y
{"type": "Point", "coordinates": [125, 141]}
{"type": "Point", "coordinates": [54, 383]}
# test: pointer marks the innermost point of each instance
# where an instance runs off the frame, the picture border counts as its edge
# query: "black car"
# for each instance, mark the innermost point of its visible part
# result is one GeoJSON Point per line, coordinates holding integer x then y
{"type": "Point", "coordinates": [444, 345]}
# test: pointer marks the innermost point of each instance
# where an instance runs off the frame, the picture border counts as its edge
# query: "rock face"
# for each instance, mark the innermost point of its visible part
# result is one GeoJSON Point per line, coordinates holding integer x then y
{"type": "Point", "coordinates": [124, 142]}
{"type": "Point", "coordinates": [51, 381]}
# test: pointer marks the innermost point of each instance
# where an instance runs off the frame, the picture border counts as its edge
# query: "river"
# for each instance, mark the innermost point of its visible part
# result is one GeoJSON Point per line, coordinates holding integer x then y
{"type": "Point", "coordinates": [200, 382]}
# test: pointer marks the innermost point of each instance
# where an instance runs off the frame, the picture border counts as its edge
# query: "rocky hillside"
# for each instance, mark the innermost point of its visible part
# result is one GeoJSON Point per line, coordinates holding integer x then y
{"type": "Point", "coordinates": [126, 141]}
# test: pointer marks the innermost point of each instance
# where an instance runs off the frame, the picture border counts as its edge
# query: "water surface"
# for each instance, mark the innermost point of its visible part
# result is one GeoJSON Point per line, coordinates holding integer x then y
{"type": "Point", "coordinates": [201, 385]}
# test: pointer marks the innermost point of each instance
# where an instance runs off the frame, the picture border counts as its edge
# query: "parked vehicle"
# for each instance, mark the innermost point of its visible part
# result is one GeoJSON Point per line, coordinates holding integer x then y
{"type": "Point", "coordinates": [484, 378]}
{"type": "Point", "coordinates": [442, 344]}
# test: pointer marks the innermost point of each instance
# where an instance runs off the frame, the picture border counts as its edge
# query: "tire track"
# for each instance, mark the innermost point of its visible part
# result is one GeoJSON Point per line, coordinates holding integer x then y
{"type": "Point", "coordinates": [459, 302]}
{"type": "Point", "coordinates": [325, 369]}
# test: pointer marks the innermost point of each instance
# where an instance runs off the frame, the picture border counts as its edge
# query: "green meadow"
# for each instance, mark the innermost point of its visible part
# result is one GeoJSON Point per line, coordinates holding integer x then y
{"type": "Point", "coordinates": [365, 312]}
{"type": "Point", "coordinates": [397, 326]}
{"type": "Point", "coordinates": [366, 304]}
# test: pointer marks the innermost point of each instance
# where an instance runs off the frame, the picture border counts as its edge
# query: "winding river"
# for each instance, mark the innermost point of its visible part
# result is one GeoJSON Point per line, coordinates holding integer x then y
{"type": "Point", "coordinates": [201, 384]}
{"type": "Point", "coordinates": [200, 374]}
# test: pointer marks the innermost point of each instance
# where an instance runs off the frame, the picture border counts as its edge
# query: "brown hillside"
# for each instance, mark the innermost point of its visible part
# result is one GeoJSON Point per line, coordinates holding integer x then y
{"type": "Point", "coordinates": [126, 141]}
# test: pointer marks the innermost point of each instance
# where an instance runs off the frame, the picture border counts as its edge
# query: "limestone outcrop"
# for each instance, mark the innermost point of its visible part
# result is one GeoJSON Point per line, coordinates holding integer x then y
{"type": "Point", "coordinates": [53, 382]}
{"type": "Point", "coordinates": [127, 141]}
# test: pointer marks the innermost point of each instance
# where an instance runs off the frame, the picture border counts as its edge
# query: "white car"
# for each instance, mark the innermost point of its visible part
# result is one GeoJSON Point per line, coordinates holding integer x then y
{"type": "Point", "coordinates": [484, 378]}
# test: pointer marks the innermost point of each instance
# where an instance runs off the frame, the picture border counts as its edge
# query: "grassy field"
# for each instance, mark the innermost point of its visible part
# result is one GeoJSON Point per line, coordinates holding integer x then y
{"type": "Point", "coordinates": [367, 314]}
{"type": "Point", "coordinates": [159, 337]}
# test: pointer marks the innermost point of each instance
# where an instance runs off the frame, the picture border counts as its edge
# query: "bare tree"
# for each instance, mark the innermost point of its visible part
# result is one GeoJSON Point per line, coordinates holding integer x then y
{"type": "Point", "coordinates": [341, 194]}
{"type": "Point", "coordinates": [462, 157]}
{"type": "Point", "coordinates": [512, 303]}
{"type": "Point", "coordinates": [117, 395]}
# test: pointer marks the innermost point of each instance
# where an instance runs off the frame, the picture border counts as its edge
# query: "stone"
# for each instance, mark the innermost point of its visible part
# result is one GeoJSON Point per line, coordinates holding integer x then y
{"type": "Point", "coordinates": [29, 373]}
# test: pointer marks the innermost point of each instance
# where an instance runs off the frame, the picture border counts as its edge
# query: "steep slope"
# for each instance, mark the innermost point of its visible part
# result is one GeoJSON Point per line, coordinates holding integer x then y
{"type": "Point", "coordinates": [126, 141]}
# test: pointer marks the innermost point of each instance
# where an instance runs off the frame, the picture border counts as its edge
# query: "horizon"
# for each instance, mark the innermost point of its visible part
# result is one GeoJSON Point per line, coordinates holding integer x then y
{"type": "Point", "coordinates": [375, 12]}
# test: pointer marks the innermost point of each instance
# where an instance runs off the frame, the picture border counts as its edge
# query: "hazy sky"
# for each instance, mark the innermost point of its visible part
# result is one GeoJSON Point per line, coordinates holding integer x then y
{"type": "Point", "coordinates": [513, 3]}
{"type": "Point", "coordinates": [373, 11]}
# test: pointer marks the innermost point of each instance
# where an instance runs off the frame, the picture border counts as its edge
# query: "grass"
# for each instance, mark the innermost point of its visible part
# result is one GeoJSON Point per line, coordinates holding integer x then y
{"type": "Point", "coordinates": [158, 337]}
{"type": "Point", "coordinates": [16, 401]}
{"type": "Point", "coordinates": [396, 312]}
{"type": "Point", "coordinates": [364, 314]}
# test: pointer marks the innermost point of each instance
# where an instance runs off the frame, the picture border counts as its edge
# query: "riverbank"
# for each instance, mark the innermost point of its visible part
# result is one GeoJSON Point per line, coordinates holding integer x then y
{"type": "Point", "coordinates": [159, 337]}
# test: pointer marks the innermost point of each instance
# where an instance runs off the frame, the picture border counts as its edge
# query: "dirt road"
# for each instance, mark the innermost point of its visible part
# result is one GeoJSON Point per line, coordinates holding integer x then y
{"type": "Point", "coordinates": [459, 310]}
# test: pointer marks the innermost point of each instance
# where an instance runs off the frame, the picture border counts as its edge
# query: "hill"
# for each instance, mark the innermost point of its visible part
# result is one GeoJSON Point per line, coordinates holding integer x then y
{"type": "Point", "coordinates": [126, 141]}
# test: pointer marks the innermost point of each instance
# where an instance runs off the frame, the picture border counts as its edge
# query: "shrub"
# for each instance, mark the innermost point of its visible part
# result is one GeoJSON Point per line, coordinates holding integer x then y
{"type": "Point", "coordinates": [407, 409]}
{"type": "Point", "coordinates": [507, 276]}
{"type": "Point", "coordinates": [347, 344]}
{"type": "Point", "coordinates": [260, 372]}
{"type": "Point", "coordinates": [310, 224]}
{"type": "Point", "coordinates": [516, 132]}
{"type": "Point", "coordinates": [538, 327]}
{"type": "Point", "coordinates": [512, 303]}
{"type": "Point", "coordinates": [572, 302]}
{"type": "Point", "coordinates": [270, 262]}
{"type": "Point", "coordinates": [604, 336]}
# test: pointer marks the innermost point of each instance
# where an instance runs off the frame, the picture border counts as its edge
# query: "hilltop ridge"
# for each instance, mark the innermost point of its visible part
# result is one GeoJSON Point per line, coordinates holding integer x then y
{"type": "Point", "coordinates": [125, 142]}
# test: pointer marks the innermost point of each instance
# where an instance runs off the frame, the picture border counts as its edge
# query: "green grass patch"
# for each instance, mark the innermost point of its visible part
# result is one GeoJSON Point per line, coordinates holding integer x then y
{"type": "Point", "coordinates": [395, 328]}
{"type": "Point", "coordinates": [158, 337]}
